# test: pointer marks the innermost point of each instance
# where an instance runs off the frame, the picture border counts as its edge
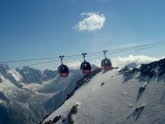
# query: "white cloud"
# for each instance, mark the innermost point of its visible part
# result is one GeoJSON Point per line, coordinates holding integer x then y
{"type": "Point", "coordinates": [123, 61]}
{"type": "Point", "coordinates": [91, 21]}
{"type": "Point", "coordinates": [139, 59]}
{"type": "Point", "coordinates": [74, 65]}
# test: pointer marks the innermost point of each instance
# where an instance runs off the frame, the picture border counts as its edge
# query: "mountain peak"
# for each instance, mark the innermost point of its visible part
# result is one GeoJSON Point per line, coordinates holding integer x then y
{"type": "Point", "coordinates": [3, 68]}
{"type": "Point", "coordinates": [131, 65]}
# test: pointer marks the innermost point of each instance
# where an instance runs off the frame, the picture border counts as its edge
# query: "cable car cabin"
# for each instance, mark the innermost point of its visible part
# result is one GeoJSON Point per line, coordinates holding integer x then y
{"type": "Point", "coordinates": [85, 67]}
{"type": "Point", "coordinates": [106, 64]}
{"type": "Point", "coordinates": [63, 70]}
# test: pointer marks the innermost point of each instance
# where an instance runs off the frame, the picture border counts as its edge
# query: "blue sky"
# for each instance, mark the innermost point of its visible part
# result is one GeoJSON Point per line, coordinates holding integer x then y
{"type": "Point", "coordinates": [46, 28]}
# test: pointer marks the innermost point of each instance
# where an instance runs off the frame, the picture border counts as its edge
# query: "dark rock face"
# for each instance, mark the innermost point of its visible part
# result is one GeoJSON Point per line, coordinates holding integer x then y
{"type": "Point", "coordinates": [156, 68]}
{"type": "Point", "coordinates": [49, 74]}
{"type": "Point", "coordinates": [57, 118]}
{"type": "Point", "coordinates": [151, 70]}
{"type": "Point", "coordinates": [0, 80]}
{"type": "Point", "coordinates": [4, 68]}
{"type": "Point", "coordinates": [3, 97]}
{"type": "Point", "coordinates": [31, 75]}
{"type": "Point", "coordinates": [74, 109]}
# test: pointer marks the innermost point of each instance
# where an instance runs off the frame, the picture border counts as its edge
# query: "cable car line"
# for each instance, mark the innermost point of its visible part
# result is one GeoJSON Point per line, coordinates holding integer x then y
{"type": "Point", "coordinates": [147, 46]}
{"type": "Point", "coordinates": [72, 56]}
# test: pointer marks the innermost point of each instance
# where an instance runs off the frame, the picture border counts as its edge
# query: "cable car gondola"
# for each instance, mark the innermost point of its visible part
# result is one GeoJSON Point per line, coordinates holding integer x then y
{"type": "Point", "coordinates": [85, 66]}
{"type": "Point", "coordinates": [63, 70]}
{"type": "Point", "coordinates": [106, 64]}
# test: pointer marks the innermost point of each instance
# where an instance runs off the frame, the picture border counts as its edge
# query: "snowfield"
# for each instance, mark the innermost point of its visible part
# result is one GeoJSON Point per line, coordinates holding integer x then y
{"type": "Point", "coordinates": [106, 99]}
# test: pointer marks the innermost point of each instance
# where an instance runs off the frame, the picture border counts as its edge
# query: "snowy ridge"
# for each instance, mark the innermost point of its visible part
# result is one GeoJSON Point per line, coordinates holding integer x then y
{"type": "Point", "coordinates": [107, 99]}
{"type": "Point", "coordinates": [16, 75]}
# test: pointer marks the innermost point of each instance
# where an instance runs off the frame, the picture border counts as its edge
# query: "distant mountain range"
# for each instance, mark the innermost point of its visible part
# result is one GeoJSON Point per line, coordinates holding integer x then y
{"type": "Point", "coordinates": [26, 75]}
{"type": "Point", "coordinates": [28, 94]}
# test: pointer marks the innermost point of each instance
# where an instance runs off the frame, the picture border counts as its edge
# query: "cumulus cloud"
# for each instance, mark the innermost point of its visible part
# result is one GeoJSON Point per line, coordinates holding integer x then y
{"type": "Point", "coordinates": [74, 65]}
{"type": "Point", "coordinates": [90, 22]}
{"type": "Point", "coordinates": [123, 61]}
{"type": "Point", "coordinates": [139, 59]}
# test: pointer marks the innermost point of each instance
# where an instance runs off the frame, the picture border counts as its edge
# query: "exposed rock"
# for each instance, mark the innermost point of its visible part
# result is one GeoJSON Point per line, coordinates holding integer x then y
{"type": "Point", "coordinates": [74, 109]}
{"type": "Point", "coordinates": [57, 118]}
{"type": "Point", "coordinates": [0, 80]}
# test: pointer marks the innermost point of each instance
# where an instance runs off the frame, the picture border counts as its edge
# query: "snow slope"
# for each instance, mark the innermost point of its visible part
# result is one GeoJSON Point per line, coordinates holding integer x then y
{"type": "Point", "coordinates": [106, 99]}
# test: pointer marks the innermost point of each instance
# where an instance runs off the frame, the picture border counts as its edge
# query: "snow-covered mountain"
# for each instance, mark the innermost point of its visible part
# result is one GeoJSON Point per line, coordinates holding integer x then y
{"type": "Point", "coordinates": [133, 95]}
{"type": "Point", "coordinates": [28, 94]}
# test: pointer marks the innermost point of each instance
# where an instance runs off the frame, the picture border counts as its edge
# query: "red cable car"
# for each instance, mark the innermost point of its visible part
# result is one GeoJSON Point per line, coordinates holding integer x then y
{"type": "Point", "coordinates": [85, 66]}
{"type": "Point", "coordinates": [106, 64]}
{"type": "Point", "coordinates": [63, 70]}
